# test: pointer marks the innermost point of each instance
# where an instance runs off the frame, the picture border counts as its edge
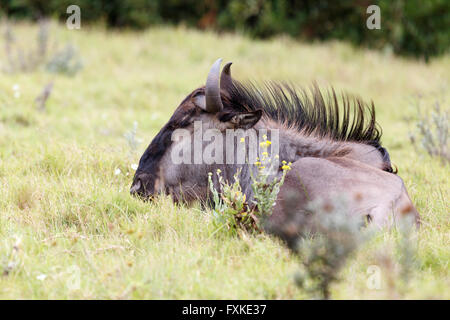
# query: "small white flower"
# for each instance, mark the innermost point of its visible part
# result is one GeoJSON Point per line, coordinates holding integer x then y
{"type": "Point", "coordinates": [41, 277]}
{"type": "Point", "coordinates": [117, 172]}
{"type": "Point", "coordinates": [16, 89]}
{"type": "Point", "coordinates": [134, 166]}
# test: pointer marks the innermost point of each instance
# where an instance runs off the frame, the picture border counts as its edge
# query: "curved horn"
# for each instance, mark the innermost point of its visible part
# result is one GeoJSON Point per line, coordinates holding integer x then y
{"type": "Point", "coordinates": [225, 77]}
{"type": "Point", "coordinates": [212, 89]}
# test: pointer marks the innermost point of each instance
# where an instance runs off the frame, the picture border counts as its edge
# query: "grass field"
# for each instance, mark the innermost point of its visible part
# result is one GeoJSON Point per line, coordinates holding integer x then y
{"type": "Point", "coordinates": [69, 228]}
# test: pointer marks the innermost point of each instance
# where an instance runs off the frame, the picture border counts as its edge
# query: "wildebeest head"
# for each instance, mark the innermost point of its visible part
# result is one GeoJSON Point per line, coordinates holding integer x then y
{"type": "Point", "coordinates": [157, 173]}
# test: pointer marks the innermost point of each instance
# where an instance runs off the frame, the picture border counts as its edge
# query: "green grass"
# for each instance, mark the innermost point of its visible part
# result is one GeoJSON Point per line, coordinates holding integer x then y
{"type": "Point", "coordinates": [62, 207]}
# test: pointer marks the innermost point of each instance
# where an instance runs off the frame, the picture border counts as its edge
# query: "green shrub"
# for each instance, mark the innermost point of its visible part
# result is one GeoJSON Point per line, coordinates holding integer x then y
{"type": "Point", "coordinates": [432, 131]}
{"type": "Point", "coordinates": [32, 57]}
{"type": "Point", "coordinates": [232, 211]}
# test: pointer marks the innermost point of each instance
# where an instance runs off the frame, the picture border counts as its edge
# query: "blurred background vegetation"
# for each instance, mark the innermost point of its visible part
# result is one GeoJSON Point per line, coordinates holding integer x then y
{"type": "Point", "coordinates": [408, 27]}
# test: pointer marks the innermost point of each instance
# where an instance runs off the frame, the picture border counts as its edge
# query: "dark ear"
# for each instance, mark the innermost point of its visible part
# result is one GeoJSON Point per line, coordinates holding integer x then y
{"type": "Point", "coordinates": [246, 120]}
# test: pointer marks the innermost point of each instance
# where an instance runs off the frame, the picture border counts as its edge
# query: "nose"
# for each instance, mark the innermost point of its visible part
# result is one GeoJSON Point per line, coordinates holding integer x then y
{"type": "Point", "coordinates": [136, 188]}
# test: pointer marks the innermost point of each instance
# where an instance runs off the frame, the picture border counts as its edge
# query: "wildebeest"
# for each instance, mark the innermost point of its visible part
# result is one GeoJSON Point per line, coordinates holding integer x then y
{"type": "Point", "coordinates": [333, 144]}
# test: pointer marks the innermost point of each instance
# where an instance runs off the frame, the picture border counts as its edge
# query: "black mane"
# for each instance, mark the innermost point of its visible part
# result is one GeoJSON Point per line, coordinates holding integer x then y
{"type": "Point", "coordinates": [345, 119]}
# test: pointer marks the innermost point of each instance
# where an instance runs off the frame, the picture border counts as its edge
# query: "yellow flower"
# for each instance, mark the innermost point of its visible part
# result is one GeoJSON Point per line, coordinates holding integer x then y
{"type": "Point", "coordinates": [219, 171]}
{"type": "Point", "coordinates": [265, 144]}
{"type": "Point", "coordinates": [283, 162]}
{"type": "Point", "coordinates": [242, 140]}
{"type": "Point", "coordinates": [257, 163]}
{"type": "Point", "coordinates": [265, 137]}
{"type": "Point", "coordinates": [265, 154]}
{"type": "Point", "coordinates": [285, 167]}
